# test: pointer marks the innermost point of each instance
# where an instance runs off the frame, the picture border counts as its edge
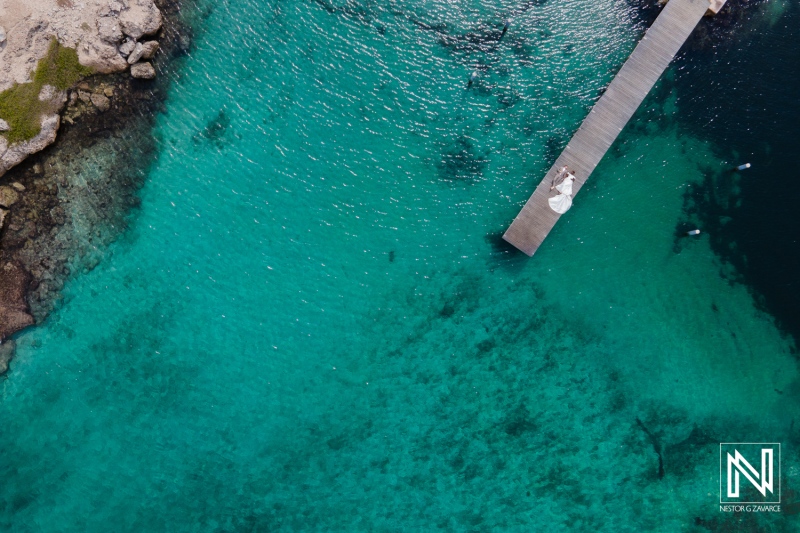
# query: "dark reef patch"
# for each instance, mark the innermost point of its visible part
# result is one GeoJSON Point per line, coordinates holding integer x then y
{"type": "Point", "coordinates": [461, 161]}
{"type": "Point", "coordinates": [697, 448]}
{"type": "Point", "coordinates": [519, 422]}
{"type": "Point", "coordinates": [215, 129]}
{"type": "Point", "coordinates": [553, 147]}
{"type": "Point", "coordinates": [484, 39]}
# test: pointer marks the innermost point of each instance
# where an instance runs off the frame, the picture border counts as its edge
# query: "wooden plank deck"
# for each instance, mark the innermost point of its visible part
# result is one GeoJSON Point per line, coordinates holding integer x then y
{"type": "Point", "coordinates": [609, 115]}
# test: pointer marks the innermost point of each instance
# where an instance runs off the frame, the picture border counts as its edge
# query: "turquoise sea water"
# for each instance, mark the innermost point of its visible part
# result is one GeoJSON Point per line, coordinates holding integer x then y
{"type": "Point", "coordinates": [313, 326]}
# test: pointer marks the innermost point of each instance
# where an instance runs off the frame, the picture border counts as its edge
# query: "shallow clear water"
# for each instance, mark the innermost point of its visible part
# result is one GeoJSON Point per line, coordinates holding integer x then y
{"type": "Point", "coordinates": [312, 324]}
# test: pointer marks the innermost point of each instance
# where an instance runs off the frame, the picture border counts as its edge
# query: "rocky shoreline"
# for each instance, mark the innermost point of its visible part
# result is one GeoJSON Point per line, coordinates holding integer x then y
{"type": "Point", "coordinates": [103, 37]}
{"type": "Point", "coordinates": [61, 207]}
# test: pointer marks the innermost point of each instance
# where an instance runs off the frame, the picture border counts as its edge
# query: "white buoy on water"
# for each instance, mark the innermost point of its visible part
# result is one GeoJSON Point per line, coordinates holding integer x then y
{"type": "Point", "coordinates": [693, 232]}
{"type": "Point", "coordinates": [743, 167]}
{"type": "Point", "coordinates": [472, 78]}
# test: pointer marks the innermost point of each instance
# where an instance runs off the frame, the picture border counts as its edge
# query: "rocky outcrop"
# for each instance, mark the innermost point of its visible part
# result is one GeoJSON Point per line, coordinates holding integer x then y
{"type": "Point", "coordinates": [49, 227]}
{"type": "Point", "coordinates": [14, 154]}
{"type": "Point", "coordinates": [95, 28]}
{"type": "Point", "coordinates": [105, 35]}
{"type": "Point", "coordinates": [109, 29]}
{"type": "Point", "coordinates": [143, 70]}
{"type": "Point", "coordinates": [102, 57]}
{"type": "Point", "coordinates": [149, 49]}
{"type": "Point", "coordinates": [136, 54]}
{"type": "Point", "coordinates": [14, 312]}
{"type": "Point", "coordinates": [127, 47]}
{"type": "Point", "coordinates": [141, 18]}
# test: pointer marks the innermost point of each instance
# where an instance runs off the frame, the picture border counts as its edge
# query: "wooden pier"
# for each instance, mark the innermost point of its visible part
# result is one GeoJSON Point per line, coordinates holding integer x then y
{"type": "Point", "coordinates": [609, 115]}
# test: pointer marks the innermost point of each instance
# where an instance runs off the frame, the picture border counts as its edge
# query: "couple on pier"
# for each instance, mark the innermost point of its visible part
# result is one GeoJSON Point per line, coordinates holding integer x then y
{"type": "Point", "coordinates": [562, 182]}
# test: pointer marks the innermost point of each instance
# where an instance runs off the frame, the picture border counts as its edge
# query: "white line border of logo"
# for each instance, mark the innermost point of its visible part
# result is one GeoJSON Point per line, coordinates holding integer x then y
{"type": "Point", "coordinates": [721, 444]}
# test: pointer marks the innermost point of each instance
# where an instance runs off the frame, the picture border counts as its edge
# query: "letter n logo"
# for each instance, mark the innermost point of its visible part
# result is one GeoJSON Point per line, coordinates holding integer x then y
{"type": "Point", "coordinates": [747, 472]}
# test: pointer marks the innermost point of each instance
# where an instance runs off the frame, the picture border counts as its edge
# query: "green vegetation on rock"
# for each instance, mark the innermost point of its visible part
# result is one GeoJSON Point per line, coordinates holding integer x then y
{"type": "Point", "coordinates": [20, 105]}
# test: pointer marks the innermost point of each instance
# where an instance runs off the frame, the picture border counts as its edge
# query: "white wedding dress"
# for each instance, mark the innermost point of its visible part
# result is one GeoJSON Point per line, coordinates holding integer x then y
{"type": "Point", "coordinates": [561, 203]}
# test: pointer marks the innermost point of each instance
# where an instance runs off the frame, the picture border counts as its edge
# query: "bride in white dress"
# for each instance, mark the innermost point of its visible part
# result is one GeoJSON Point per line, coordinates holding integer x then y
{"type": "Point", "coordinates": [561, 203]}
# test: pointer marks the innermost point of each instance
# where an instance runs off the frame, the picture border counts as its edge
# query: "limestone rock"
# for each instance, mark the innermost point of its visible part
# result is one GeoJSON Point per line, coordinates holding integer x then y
{"type": "Point", "coordinates": [127, 47]}
{"type": "Point", "coordinates": [8, 196]}
{"type": "Point", "coordinates": [109, 30]}
{"type": "Point", "coordinates": [149, 49]}
{"type": "Point", "coordinates": [136, 54]}
{"type": "Point", "coordinates": [108, 91]}
{"type": "Point", "coordinates": [18, 186]}
{"type": "Point", "coordinates": [141, 18]}
{"type": "Point", "coordinates": [101, 56]}
{"type": "Point", "coordinates": [6, 353]}
{"type": "Point", "coordinates": [3, 214]}
{"type": "Point", "coordinates": [101, 102]}
{"type": "Point", "coordinates": [94, 28]}
{"type": "Point", "coordinates": [47, 93]}
{"type": "Point", "coordinates": [13, 320]}
{"type": "Point", "coordinates": [19, 151]}
{"type": "Point", "coordinates": [143, 70]}
{"type": "Point", "coordinates": [4, 125]}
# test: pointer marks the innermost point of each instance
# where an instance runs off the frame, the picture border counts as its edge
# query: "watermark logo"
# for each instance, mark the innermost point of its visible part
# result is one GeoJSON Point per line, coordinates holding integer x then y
{"type": "Point", "coordinates": [749, 473]}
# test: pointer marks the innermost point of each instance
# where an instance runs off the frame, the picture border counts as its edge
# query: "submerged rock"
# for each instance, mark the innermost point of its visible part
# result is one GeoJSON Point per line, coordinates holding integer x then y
{"type": "Point", "coordinates": [6, 353]}
{"type": "Point", "coordinates": [143, 70]}
{"type": "Point", "coordinates": [8, 196]}
{"type": "Point", "coordinates": [101, 102]}
{"type": "Point", "coordinates": [184, 43]}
